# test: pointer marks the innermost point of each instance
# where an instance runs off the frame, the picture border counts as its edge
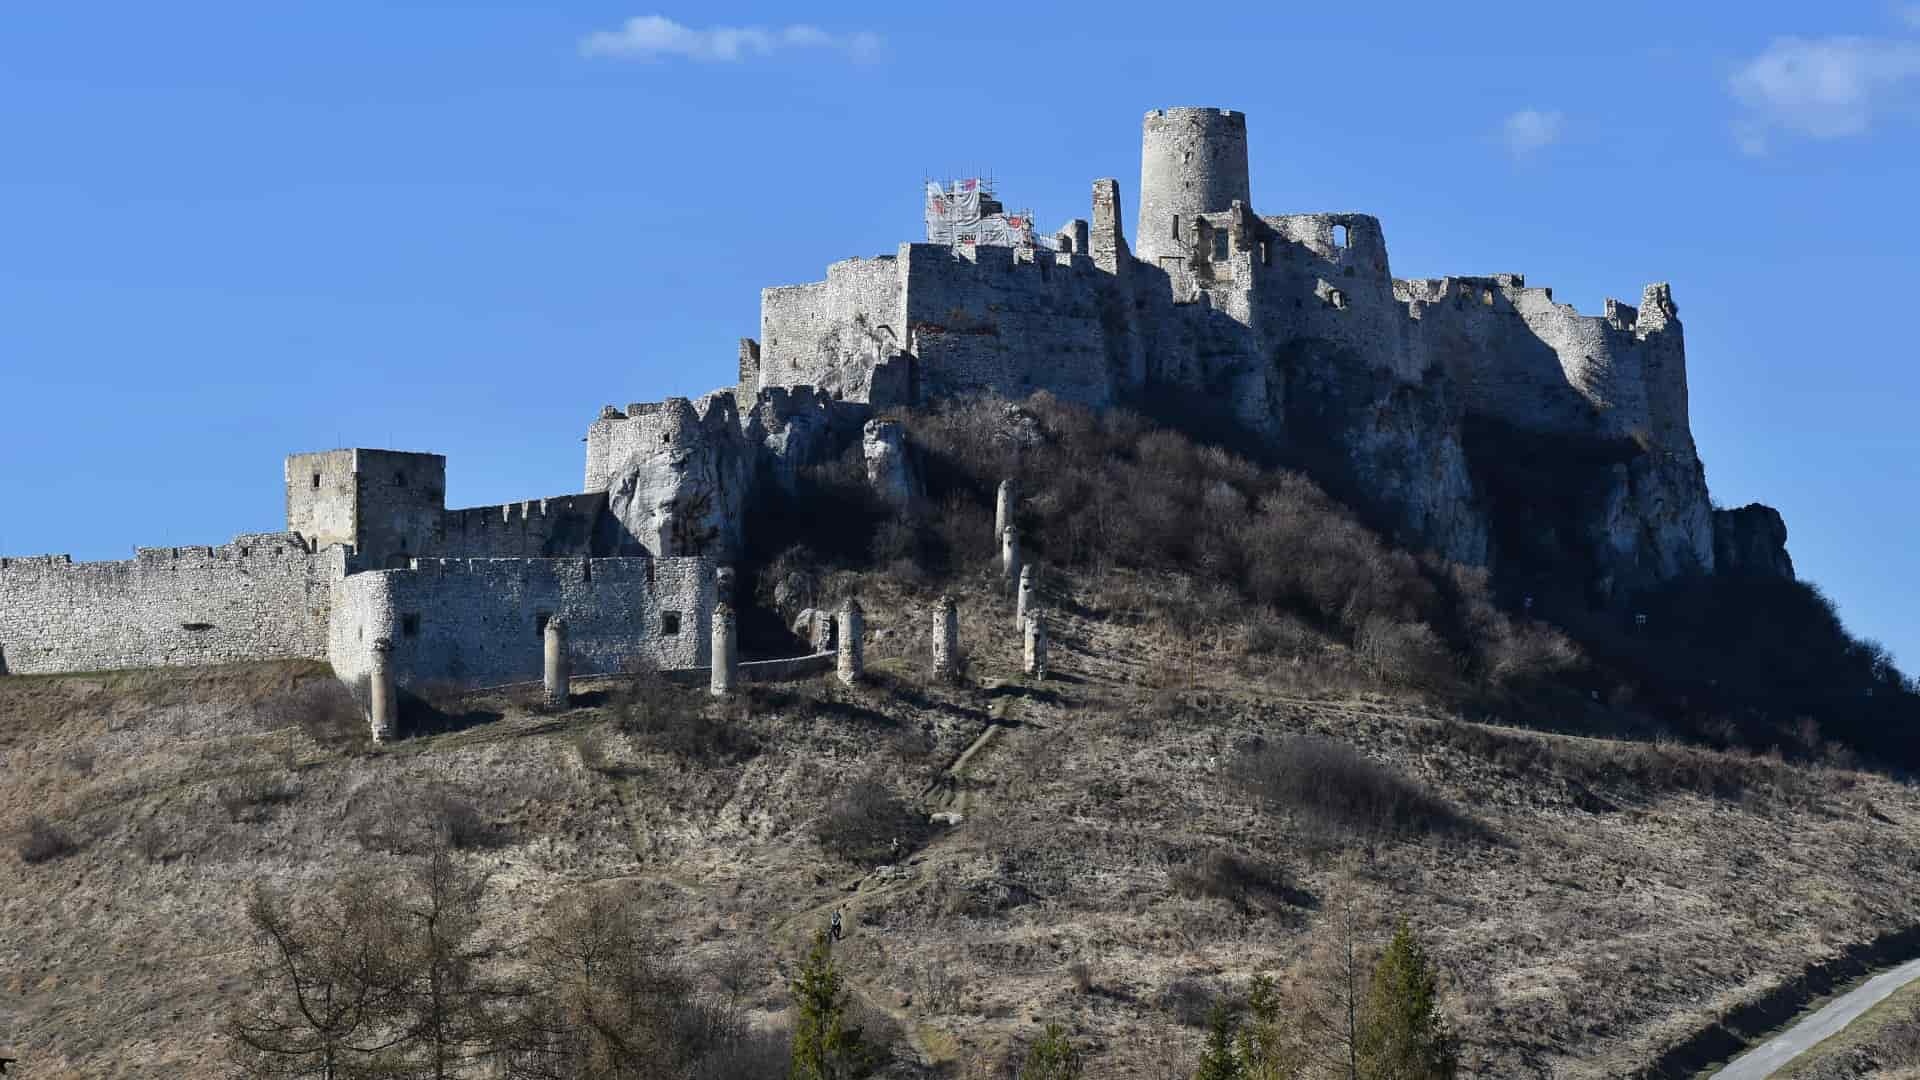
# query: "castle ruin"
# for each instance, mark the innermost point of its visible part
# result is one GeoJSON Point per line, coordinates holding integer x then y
{"type": "Point", "coordinates": [1292, 325]}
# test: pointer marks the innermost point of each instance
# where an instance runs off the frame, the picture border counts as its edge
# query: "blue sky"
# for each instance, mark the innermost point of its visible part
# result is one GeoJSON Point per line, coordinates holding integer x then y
{"type": "Point", "coordinates": [235, 230]}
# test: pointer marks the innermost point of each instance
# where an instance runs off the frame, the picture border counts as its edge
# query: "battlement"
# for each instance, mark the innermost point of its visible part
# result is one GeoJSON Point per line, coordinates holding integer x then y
{"type": "Point", "coordinates": [1195, 112]}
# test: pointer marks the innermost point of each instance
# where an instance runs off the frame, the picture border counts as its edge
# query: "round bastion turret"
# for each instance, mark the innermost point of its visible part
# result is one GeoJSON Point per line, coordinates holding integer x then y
{"type": "Point", "coordinates": [1192, 161]}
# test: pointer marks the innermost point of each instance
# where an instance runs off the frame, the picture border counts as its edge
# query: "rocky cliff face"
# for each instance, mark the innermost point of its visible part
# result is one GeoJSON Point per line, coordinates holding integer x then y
{"type": "Point", "coordinates": [1751, 541]}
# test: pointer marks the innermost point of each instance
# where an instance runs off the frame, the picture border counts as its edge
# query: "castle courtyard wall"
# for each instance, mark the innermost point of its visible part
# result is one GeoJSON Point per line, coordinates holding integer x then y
{"type": "Point", "coordinates": [479, 622]}
{"type": "Point", "coordinates": [264, 596]}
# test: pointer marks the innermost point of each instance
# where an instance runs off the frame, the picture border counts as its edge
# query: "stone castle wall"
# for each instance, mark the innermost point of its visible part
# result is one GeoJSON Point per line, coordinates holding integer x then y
{"type": "Point", "coordinates": [566, 525]}
{"type": "Point", "coordinates": [264, 596]}
{"type": "Point", "coordinates": [478, 622]}
{"type": "Point", "coordinates": [831, 334]}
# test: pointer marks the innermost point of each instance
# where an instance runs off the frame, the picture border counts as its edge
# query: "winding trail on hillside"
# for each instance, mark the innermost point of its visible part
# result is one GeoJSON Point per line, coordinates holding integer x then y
{"type": "Point", "coordinates": [1810, 1031]}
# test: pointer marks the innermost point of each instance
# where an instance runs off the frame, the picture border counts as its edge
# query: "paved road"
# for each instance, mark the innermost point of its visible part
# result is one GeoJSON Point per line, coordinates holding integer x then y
{"type": "Point", "coordinates": [1774, 1054]}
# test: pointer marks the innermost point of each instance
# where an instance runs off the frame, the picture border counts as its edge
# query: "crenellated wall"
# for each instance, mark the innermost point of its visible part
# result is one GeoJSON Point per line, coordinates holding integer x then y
{"type": "Point", "coordinates": [538, 528]}
{"type": "Point", "coordinates": [478, 622]}
{"type": "Point", "coordinates": [263, 596]}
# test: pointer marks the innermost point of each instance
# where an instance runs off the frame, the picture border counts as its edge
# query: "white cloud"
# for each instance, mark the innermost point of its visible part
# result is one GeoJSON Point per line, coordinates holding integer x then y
{"type": "Point", "coordinates": [1532, 129]}
{"type": "Point", "coordinates": [648, 37]}
{"type": "Point", "coordinates": [1823, 88]}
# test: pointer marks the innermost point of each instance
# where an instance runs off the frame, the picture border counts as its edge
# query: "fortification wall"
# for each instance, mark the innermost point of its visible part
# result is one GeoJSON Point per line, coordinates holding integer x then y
{"type": "Point", "coordinates": [264, 596]}
{"type": "Point", "coordinates": [994, 319]}
{"type": "Point", "coordinates": [831, 334]}
{"type": "Point", "coordinates": [479, 622]}
{"type": "Point", "coordinates": [1542, 366]}
{"type": "Point", "coordinates": [567, 525]}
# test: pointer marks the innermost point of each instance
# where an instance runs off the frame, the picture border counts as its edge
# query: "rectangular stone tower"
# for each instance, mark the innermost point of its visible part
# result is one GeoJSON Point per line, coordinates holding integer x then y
{"type": "Point", "coordinates": [387, 504]}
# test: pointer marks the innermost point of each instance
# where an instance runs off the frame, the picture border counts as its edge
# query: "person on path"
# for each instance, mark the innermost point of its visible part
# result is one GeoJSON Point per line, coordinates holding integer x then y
{"type": "Point", "coordinates": [833, 930]}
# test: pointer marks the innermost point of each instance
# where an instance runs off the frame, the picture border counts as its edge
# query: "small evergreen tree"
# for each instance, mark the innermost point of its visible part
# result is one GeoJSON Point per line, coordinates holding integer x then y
{"type": "Point", "coordinates": [1266, 1051]}
{"type": "Point", "coordinates": [825, 1045]}
{"type": "Point", "coordinates": [1402, 1035]}
{"type": "Point", "coordinates": [1052, 1058]}
{"type": "Point", "coordinates": [1221, 1059]}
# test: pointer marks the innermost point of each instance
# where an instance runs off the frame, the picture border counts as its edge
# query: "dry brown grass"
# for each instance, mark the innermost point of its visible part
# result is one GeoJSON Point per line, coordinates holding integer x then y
{"type": "Point", "coordinates": [1109, 872]}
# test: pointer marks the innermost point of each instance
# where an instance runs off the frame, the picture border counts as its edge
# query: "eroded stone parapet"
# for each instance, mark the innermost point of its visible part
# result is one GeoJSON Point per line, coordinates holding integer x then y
{"type": "Point", "coordinates": [946, 639]}
{"type": "Point", "coordinates": [1034, 651]}
{"type": "Point", "coordinates": [557, 668]}
{"type": "Point", "coordinates": [726, 651]}
{"type": "Point", "coordinates": [383, 705]}
{"type": "Point", "coordinates": [1027, 601]}
{"type": "Point", "coordinates": [851, 663]}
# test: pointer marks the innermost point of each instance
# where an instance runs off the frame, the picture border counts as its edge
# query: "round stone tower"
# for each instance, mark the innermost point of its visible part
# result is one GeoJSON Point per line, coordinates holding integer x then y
{"type": "Point", "coordinates": [1192, 161]}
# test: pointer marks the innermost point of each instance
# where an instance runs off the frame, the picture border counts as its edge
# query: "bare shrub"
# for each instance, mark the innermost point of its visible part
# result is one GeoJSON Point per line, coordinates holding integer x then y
{"type": "Point", "coordinates": [43, 841]}
{"type": "Point", "coordinates": [678, 720]}
{"type": "Point", "coordinates": [1188, 1000]}
{"type": "Point", "coordinates": [153, 842]}
{"type": "Point", "coordinates": [250, 795]}
{"type": "Point", "coordinates": [1329, 787]}
{"type": "Point", "coordinates": [863, 822]}
{"type": "Point", "coordinates": [1247, 885]}
{"type": "Point", "coordinates": [324, 710]}
{"type": "Point", "coordinates": [79, 761]}
{"type": "Point", "coordinates": [1082, 976]}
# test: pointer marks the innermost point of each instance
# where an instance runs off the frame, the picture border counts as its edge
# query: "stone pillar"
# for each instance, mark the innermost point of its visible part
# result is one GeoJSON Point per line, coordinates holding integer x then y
{"type": "Point", "coordinates": [726, 651]}
{"type": "Point", "coordinates": [558, 669]}
{"type": "Point", "coordinates": [1035, 658]}
{"type": "Point", "coordinates": [1027, 601]}
{"type": "Point", "coordinates": [850, 663]}
{"type": "Point", "coordinates": [946, 639]}
{"type": "Point", "coordinates": [1010, 554]}
{"type": "Point", "coordinates": [1003, 506]}
{"type": "Point", "coordinates": [383, 704]}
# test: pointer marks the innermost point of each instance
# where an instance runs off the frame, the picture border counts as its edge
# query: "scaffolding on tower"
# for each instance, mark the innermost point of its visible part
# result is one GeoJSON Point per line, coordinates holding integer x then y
{"type": "Point", "coordinates": [966, 212]}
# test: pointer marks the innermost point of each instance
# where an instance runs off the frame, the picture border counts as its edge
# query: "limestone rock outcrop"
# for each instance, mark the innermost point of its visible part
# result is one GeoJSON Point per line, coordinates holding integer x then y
{"type": "Point", "coordinates": [1751, 540]}
{"type": "Point", "coordinates": [890, 471]}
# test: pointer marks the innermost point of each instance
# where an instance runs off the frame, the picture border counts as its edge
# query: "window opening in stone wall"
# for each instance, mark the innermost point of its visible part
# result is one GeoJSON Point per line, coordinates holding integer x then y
{"type": "Point", "coordinates": [196, 627]}
{"type": "Point", "coordinates": [1176, 226]}
{"type": "Point", "coordinates": [1486, 297]}
{"type": "Point", "coordinates": [1336, 298]}
{"type": "Point", "coordinates": [1220, 245]}
{"type": "Point", "coordinates": [540, 621]}
{"type": "Point", "coordinates": [1266, 253]}
{"type": "Point", "coordinates": [1339, 236]}
{"type": "Point", "coordinates": [399, 479]}
{"type": "Point", "coordinates": [409, 625]}
{"type": "Point", "coordinates": [666, 437]}
{"type": "Point", "coordinates": [669, 623]}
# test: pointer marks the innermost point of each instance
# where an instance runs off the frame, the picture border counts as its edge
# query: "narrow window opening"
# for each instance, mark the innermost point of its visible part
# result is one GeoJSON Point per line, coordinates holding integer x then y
{"type": "Point", "coordinates": [1486, 297]}
{"type": "Point", "coordinates": [316, 481]}
{"type": "Point", "coordinates": [1266, 253]}
{"type": "Point", "coordinates": [1176, 226]}
{"type": "Point", "coordinates": [399, 479]}
{"type": "Point", "coordinates": [1340, 236]}
{"type": "Point", "coordinates": [665, 437]}
{"type": "Point", "coordinates": [409, 625]}
{"type": "Point", "coordinates": [669, 623]}
{"type": "Point", "coordinates": [1220, 245]}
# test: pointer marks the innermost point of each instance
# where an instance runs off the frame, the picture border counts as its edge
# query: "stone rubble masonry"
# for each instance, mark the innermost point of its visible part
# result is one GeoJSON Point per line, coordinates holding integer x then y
{"type": "Point", "coordinates": [850, 662]}
{"type": "Point", "coordinates": [265, 596]}
{"type": "Point", "coordinates": [1026, 602]}
{"type": "Point", "coordinates": [1003, 504]}
{"type": "Point", "coordinates": [481, 622]}
{"type": "Point", "coordinates": [1010, 555]}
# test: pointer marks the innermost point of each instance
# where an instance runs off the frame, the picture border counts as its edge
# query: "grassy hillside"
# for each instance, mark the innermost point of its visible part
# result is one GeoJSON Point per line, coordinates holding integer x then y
{"type": "Point", "coordinates": [1266, 732]}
